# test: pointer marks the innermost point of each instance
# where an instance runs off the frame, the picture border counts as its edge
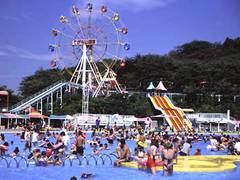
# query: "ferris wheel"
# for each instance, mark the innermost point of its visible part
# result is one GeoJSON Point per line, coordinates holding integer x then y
{"type": "Point", "coordinates": [89, 37]}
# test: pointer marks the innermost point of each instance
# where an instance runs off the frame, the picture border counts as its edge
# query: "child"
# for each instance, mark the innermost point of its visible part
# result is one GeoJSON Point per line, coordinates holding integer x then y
{"type": "Point", "coordinates": [106, 146]}
{"type": "Point", "coordinates": [86, 176]}
{"type": "Point", "coordinates": [15, 152]}
{"type": "Point", "coordinates": [42, 160]}
{"type": "Point", "coordinates": [3, 148]}
{"type": "Point", "coordinates": [198, 152]}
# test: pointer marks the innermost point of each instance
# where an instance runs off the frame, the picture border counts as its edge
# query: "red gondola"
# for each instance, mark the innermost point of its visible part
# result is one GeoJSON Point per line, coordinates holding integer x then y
{"type": "Point", "coordinates": [54, 32]}
{"type": "Point", "coordinates": [104, 9]}
{"type": "Point", "coordinates": [53, 64]}
{"type": "Point", "coordinates": [124, 30]}
{"type": "Point", "coordinates": [123, 63]}
{"type": "Point", "coordinates": [75, 10]}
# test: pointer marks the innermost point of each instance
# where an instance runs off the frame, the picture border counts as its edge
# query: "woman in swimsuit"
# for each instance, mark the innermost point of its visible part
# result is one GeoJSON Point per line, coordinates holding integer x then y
{"type": "Point", "coordinates": [152, 155]}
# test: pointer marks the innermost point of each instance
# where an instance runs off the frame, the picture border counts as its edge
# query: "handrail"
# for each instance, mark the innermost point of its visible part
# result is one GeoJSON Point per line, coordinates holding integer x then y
{"type": "Point", "coordinates": [11, 160]}
{"type": "Point", "coordinates": [38, 93]}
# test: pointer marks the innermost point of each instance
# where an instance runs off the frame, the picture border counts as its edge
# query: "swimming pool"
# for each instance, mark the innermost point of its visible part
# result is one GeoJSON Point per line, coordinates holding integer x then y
{"type": "Point", "coordinates": [106, 171]}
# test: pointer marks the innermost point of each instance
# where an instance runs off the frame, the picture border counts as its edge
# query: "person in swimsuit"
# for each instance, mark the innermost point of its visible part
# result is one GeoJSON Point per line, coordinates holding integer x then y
{"type": "Point", "coordinates": [15, 152]}
{"type": "Point", "coordinates": [27, 138]}
{"type": "Point", "coordinates": [3, 148]}
{"type": "Point", "coordinates": [175, 147]}
{"type": "Point", "coordinates": [152, 155]}
{"type": "Point", "coordinates": [86, 175]}
{"type": "Point", "coordinates": [198, 152]}
{"type": "Point", "coordinates": [167, 157]}
{"type": "Point", "coordinates": [80, 143]}
{"type": "Point", "coordinates": [123, 152]}
{"type": "Point", "coordinates": [73, 178]}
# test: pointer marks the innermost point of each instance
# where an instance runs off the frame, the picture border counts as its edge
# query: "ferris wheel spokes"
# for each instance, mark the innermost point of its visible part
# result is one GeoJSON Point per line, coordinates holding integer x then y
{"type": "Point", "coordinates": [85, 66]}
{"type": "Point", "coordinates": [89, 36]}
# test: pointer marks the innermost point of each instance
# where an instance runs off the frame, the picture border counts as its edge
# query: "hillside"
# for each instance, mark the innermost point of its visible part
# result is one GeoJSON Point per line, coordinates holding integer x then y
{"type": "Point", "coordinates": [201, 70]}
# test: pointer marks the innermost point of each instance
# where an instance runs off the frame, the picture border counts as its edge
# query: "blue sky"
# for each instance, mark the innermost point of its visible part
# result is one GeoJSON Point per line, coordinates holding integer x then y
{"type": "Point", "coordinates": [155, 26]}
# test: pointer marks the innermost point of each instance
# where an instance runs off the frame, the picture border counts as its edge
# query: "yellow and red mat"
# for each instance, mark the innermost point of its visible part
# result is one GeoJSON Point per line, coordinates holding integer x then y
{"type": "Point", "coordinates": [199, 164]}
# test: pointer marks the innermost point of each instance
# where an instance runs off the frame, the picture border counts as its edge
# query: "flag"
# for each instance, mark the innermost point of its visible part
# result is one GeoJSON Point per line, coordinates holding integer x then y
{"type": "Point", "coordinates": [3, 93]}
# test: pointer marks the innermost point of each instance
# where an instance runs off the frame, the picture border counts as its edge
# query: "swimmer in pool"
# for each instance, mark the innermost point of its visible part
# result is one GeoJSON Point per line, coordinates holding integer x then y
{"type": "Point", "coordinates": [86, 176]}
{"type": "Point", "coordinates": [3, 148]}
{"type": "Point", "coordinates": [123, 152]}
{"type": "Point", "coordinates": [15, 152]}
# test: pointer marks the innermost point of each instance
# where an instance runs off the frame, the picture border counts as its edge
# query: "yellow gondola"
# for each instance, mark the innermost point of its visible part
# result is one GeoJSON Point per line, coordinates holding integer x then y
{"type": "Point", "coordinates": [116, 16]}
{"type": "Point", "coordinates": [63, 19]}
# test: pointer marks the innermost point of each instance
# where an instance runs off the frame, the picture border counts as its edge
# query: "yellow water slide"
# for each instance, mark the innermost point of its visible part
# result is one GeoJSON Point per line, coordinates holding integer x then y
{"type": "Point", "coordinates": [173, 115]}
{"type": "Point", "coordinates": [156, 106]}
{"type": "Point", "coordinates": [159, 105]}
{"type": "Point", "coordinates": [180, 112]}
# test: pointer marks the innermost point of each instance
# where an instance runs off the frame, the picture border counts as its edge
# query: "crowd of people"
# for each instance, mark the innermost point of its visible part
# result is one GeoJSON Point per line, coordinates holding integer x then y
{"type": "Point", "coordinates": [153, 149]}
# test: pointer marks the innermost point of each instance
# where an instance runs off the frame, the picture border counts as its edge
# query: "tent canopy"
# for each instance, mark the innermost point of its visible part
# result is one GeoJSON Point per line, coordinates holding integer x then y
{"type": "Point", "coordinates": [161, 87]}
{"type": "Point", "coordinates": [35, 114]}
{"type": "Point", "coordinates": [11, 116]}
{"type": "Point", "coordinates": [61, 117]}
{"type": "Point", "coordinates": [2, 116]}
{"type": "Point", "coordinates": [151, 86]}
{"type": "Point", "coordinates": [24, 116]}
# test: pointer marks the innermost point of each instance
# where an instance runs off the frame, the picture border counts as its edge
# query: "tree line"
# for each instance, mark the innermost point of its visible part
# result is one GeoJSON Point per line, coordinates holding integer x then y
{"type": "Point", "coordinates": [206, 74]}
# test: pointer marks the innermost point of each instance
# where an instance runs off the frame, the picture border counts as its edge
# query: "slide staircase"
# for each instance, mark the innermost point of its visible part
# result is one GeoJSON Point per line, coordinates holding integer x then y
{"type": "Point", "coordinates": [26, 103]}
{"type": "Point", "coordinates": [173, 115]}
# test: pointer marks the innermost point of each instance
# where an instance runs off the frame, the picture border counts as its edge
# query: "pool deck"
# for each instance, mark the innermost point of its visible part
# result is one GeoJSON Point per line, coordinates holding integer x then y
{"type": "Point", "coordinates": [12, 131]}
{"type": "Point", "coordinates": [57, 129]}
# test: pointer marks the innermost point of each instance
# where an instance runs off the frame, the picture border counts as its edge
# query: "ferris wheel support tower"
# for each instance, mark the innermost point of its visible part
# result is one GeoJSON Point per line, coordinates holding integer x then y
{"type": "Point", "coordinates": [84, 71]}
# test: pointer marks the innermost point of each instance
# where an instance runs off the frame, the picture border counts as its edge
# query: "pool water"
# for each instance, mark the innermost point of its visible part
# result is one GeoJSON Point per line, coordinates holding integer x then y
{"type": "Point", "coordinates": [106, 171]}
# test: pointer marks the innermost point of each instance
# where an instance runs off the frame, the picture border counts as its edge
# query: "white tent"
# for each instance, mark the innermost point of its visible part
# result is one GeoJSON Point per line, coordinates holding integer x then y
{"type": "Point", "coordinates": [151, 86]}
{"type": "Point", "coordinates": [161, 87]}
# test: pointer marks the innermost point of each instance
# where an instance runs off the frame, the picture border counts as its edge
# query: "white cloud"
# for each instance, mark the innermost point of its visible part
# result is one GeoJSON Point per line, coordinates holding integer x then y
{"type": "Point", "coordinates": [2, 53]}
{"type": "Point", "coordinates": [11, 18]}
{"type": "Point", "coordinates": [132, 5]}
{"type": "Point", "coordinates": [139, 5]}
{"type": "Point", "coordinates": [9, 76]}
{"type": "Point", "coordinates": [25, 54]}
{"type": "Point", "coordinates": [22, 17]}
